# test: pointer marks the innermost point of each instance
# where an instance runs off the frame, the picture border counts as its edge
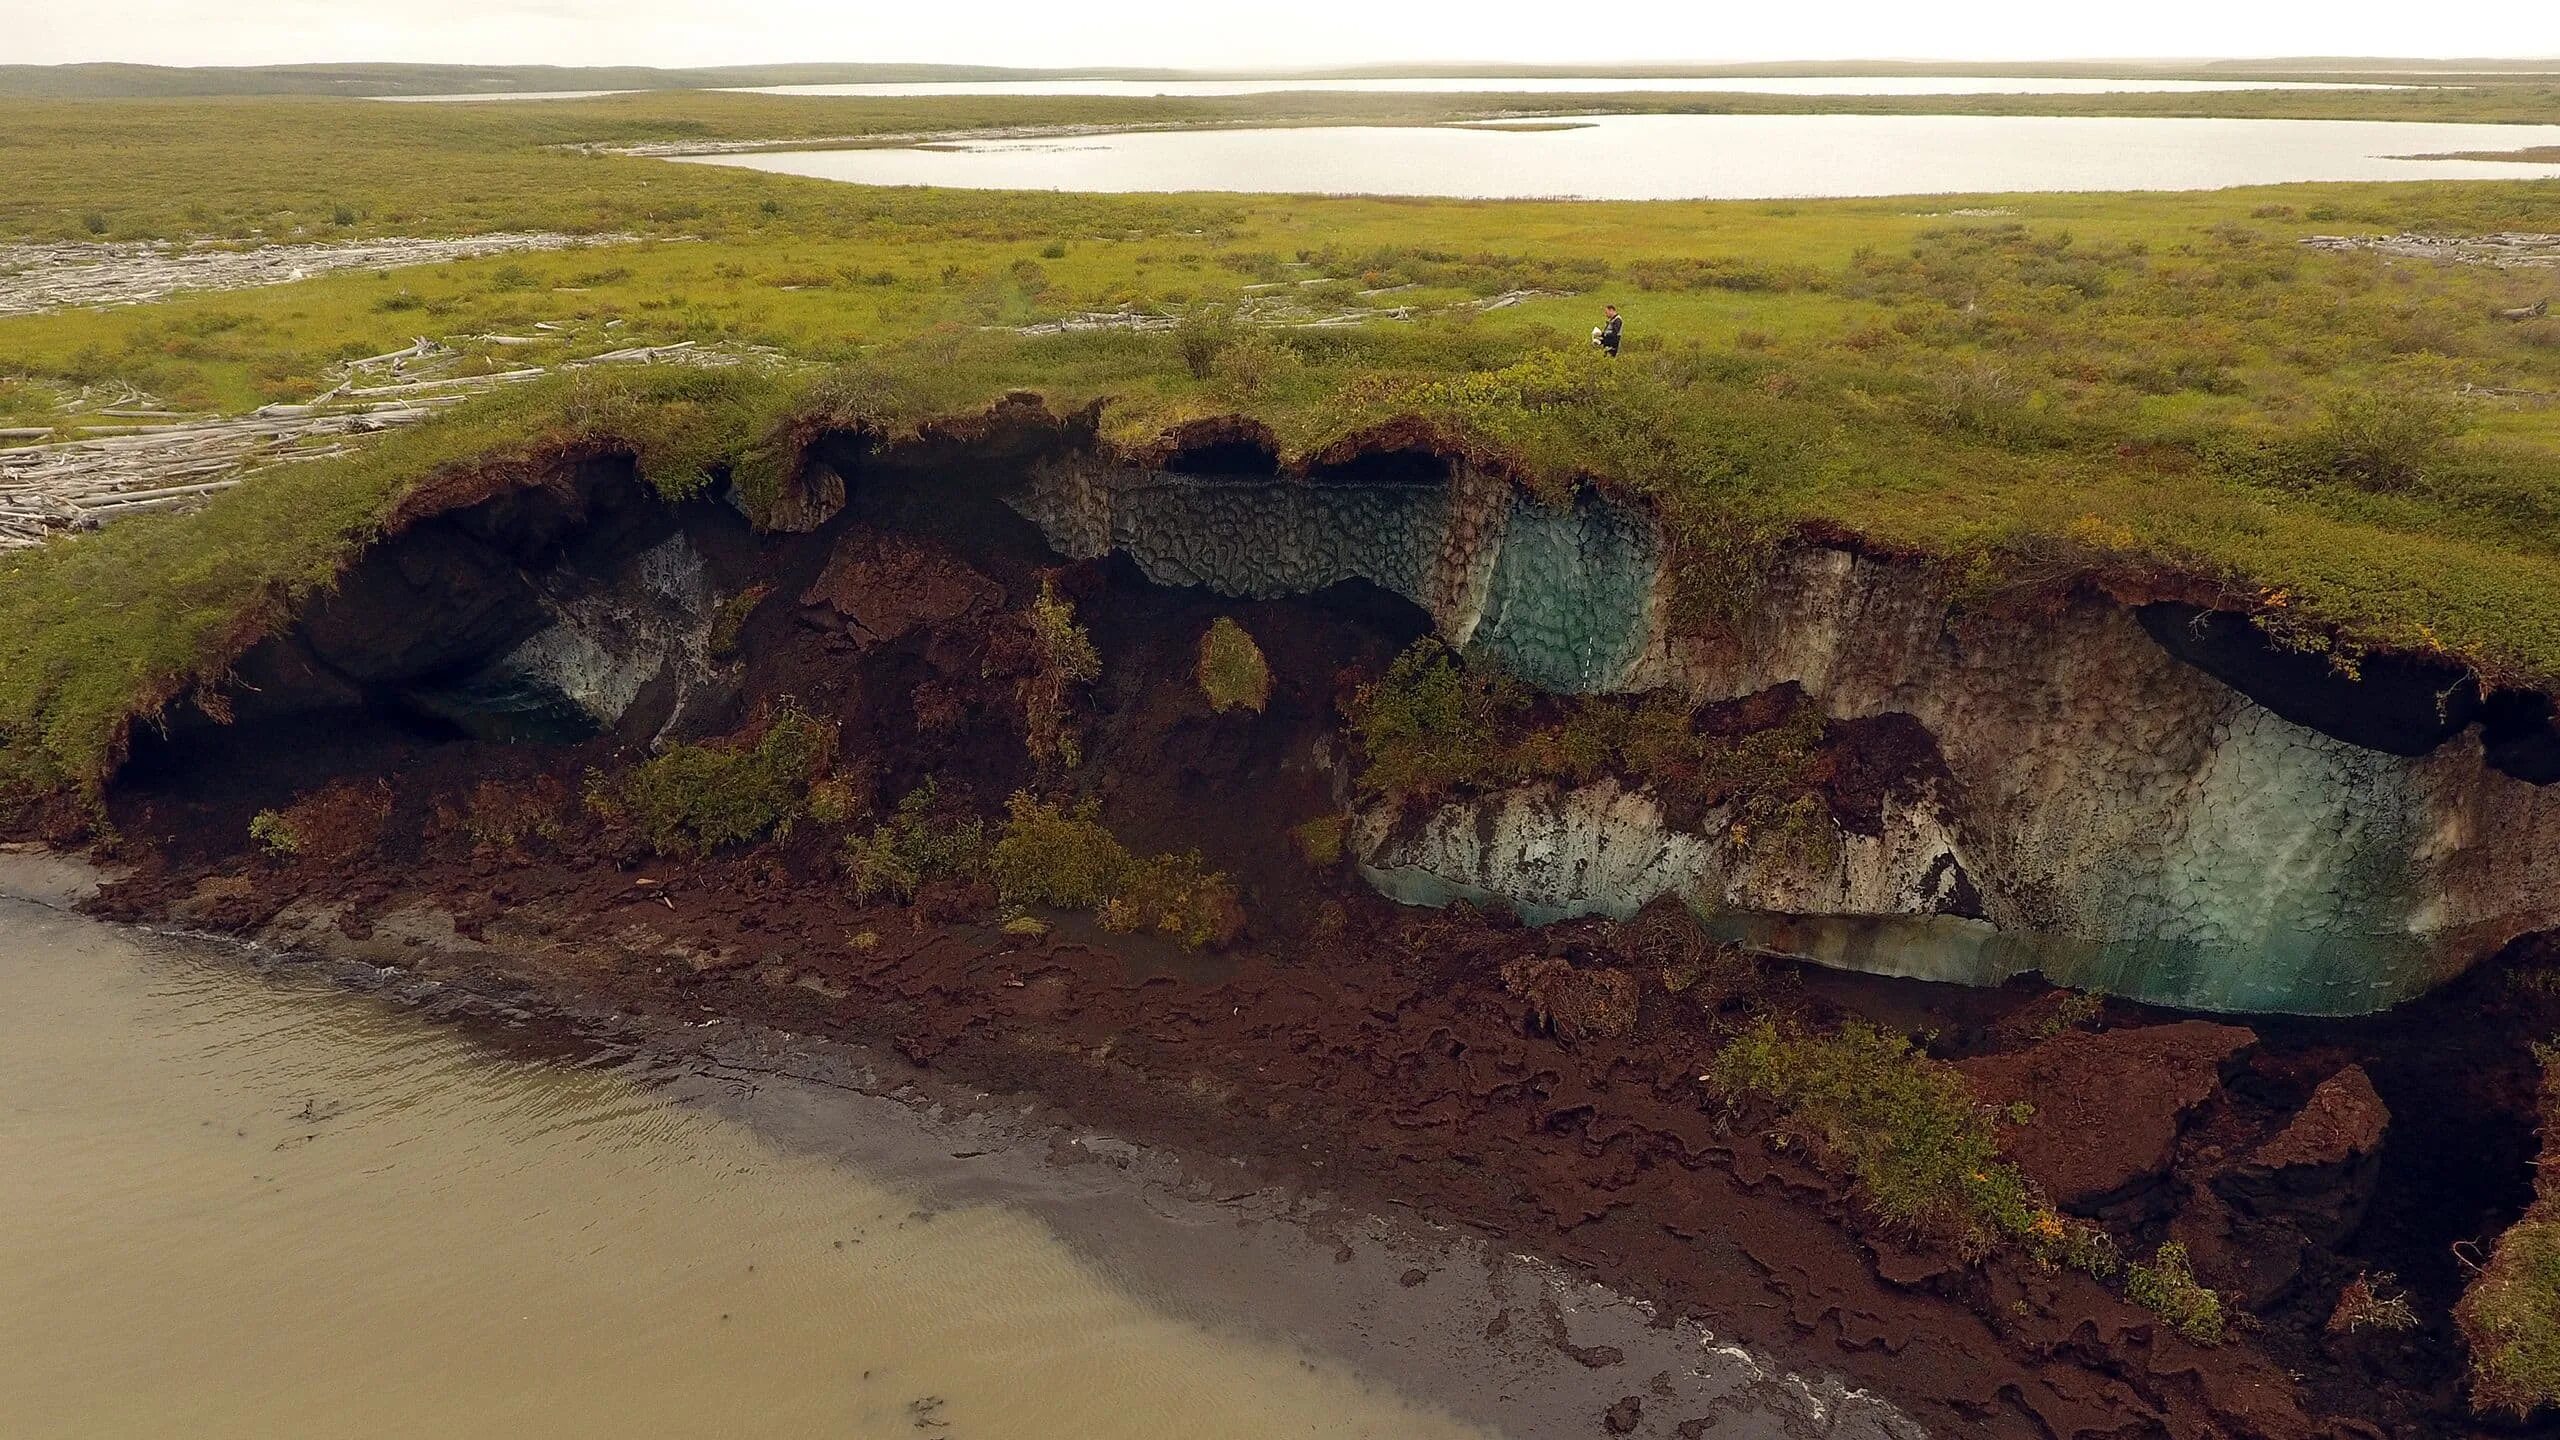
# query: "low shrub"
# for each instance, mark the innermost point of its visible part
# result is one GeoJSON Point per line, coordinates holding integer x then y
{"type": "Point", "coordinates": [1666, 938]}
{"type": "Point", "coordinates": [1065, 658]}
{"type": "Point", "coordinates": [1064, 858]}
{"type": "Point", "coordinates": [913, 847]}
{"type": "Point", "coordinates": [505, 816]}
{"type": "Point", "coordinates": [1923, 1150]}
{"type": "Point", "coordinates": [1574, 1003]}
{"type": "Point", "coordinates": [694, 799]}
{"type": "Point", "coordinates": [2510, 1317]}
{"type": "Point", "coordinates": [1199, 336]}
{"type": "Point", "coordinates": [1431, 724]}
{"type": "Point", "coordinates": [1177, 896]}
{"type": "Point", "coordinates": [1253, 362]}
{"type": "Point", "coordinates": [2168, 1289]}
{"type": "Point", "coordinates": [1233, 674]}
{"type": "Point", "coordinates": [2389, 440]}
{"type": "Point", "coordinates": [1061, 857]}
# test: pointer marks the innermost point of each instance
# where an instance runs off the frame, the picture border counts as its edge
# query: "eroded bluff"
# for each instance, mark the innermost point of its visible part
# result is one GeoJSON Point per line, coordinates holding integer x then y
{"type": "Point", "coordinates": [2150, 802]}
{"type": "Point", "coordinates": [2108, 806]}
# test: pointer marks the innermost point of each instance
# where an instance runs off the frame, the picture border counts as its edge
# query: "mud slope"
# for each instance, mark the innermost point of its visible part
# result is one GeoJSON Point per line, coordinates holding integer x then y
{"type": "Point", "coordinates": [2137, 801]}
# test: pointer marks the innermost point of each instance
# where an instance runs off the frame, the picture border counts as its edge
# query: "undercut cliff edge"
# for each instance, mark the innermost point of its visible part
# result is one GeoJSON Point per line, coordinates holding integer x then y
{"type": "Point", "coordinates": [1464, 864]}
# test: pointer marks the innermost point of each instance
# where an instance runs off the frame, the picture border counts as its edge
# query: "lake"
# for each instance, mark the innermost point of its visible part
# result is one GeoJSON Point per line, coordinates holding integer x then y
{"type": "Point", "coordinates": [1444, 85]}
{"type": "Point", "coordinates": [1676, 157]}
{"type": "Point", "coordinates": [1573, 85]}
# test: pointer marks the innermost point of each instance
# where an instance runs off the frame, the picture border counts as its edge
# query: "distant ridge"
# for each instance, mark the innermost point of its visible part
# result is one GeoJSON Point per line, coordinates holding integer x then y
{"type": "Point", "coordinates": [121, 81]}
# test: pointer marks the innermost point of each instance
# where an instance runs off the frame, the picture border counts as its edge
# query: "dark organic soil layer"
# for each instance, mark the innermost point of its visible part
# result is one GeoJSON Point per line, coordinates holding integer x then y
{"type": "Point", "coordinates": [1376, 1052]}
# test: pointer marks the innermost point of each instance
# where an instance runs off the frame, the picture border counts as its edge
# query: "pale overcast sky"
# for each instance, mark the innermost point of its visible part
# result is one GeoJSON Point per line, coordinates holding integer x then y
{"type": "Point", "coordinates": [1212, 33]}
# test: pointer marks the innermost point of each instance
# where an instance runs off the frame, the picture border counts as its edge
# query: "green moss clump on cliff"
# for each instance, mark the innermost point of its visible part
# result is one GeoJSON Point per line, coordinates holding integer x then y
{"type": "Point", "coordinates": [1063, 857]}
{"type": "Point", "coordinates": [1924, 1152]}
{"type": "Point", "coordinates": [1233, 674]}
{"type": "Point", "coordinates": [2510, 1317]}
{"type": "Point", "coordinates": [694, 799]}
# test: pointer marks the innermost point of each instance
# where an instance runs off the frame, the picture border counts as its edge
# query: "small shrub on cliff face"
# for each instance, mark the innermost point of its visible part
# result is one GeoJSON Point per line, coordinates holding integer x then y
{"type": "Point", "coordinates": [273, 835]}
{"type": "Point", "coordinates": [834, 802]}
{"type": "Point", "coordinates": [1320, 840]}
{"type": "Point", "coordinates": [1924, 1151]}
{"type": "Point", "coordinates": [1058, 856]}
{"type": "Point", "coordinates": [913, 847]}
{"type": "Point", "coordinates": [1064, 858]}
{"type": "Point", "coordinates": [2168, 1289]}
{"type": "Point", "coordinates": [731, 618]}
{"type": "Point", "coordinates": [1430, 724]}
{"type": "Point", "coordinates": [696, 798]}
{"type": "Point", "coordinates": [1066, 658]}
{"type": "Point", "coordinates": [2372, 1302]}
{"type": "Point", "coordinates": [2510, 1317]}
{"type": "Point", "coordinates": [1233, 673]}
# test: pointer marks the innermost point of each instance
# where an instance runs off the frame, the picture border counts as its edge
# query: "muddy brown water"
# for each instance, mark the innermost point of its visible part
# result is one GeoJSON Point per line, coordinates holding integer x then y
{"type": "Point", "coordinates": [244, 1201]}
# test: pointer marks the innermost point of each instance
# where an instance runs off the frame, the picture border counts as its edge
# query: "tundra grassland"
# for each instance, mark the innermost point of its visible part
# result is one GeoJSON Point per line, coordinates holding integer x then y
{"type": "Point", "coordinates": [2032, 390]}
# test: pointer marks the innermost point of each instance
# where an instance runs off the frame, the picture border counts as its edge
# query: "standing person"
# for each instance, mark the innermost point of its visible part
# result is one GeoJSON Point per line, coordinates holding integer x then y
{"type": "Point", "coordinates": [1606, 337]}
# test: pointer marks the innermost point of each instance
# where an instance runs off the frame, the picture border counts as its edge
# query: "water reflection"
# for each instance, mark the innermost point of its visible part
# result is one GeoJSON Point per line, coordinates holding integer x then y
{"type": "Point", "coordinates": [1672, 157]}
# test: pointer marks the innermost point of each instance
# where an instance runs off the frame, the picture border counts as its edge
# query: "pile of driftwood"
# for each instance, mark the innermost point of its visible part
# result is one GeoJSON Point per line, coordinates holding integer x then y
{"type": "Point", "coordinates": [52, 277]}
{"type": "Point", "coordinates": [2509, 248]}
{"type": "Point", "coordinates": [130, 456]}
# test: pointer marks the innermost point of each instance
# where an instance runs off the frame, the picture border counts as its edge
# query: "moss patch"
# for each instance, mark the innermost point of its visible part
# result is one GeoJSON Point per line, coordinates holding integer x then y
{"type": "Point", "coordinates": [2510, 1317]}
{"type": "Point", "coordinates": [1233, 674]}
{"type": "Point", "coordinates": [1063, 857]}
{"type": "Point", "coordinates": [694, 799]}
{"type": "Point", "coordinates": [2168, 1288]}
{"type": "Point", "coordinates": [916, 845]}
{"type": "Point", "coordinates": [1925, 1153]}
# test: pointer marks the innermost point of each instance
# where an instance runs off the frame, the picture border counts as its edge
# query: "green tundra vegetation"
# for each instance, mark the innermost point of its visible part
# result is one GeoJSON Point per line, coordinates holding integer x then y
{"type": "Point", "coordinates": [2510, 1317]}
{"type": "Point", "coordinates": [2025, 389]}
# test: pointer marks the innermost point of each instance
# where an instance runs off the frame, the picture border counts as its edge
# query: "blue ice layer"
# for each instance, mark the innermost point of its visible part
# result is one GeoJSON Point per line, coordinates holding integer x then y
{"type": "Point", "coordinates": [1561, 597]}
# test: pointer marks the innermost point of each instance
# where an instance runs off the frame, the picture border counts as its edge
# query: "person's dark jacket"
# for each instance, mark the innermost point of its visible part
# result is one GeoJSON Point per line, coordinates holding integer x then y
{"type": "Point", "coordinates": [1609, 334]}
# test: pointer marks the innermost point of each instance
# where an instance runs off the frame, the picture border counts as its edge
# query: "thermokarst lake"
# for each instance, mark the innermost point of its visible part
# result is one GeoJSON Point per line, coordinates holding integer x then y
{"type": "Point", "coordinates": [1694, 157]}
